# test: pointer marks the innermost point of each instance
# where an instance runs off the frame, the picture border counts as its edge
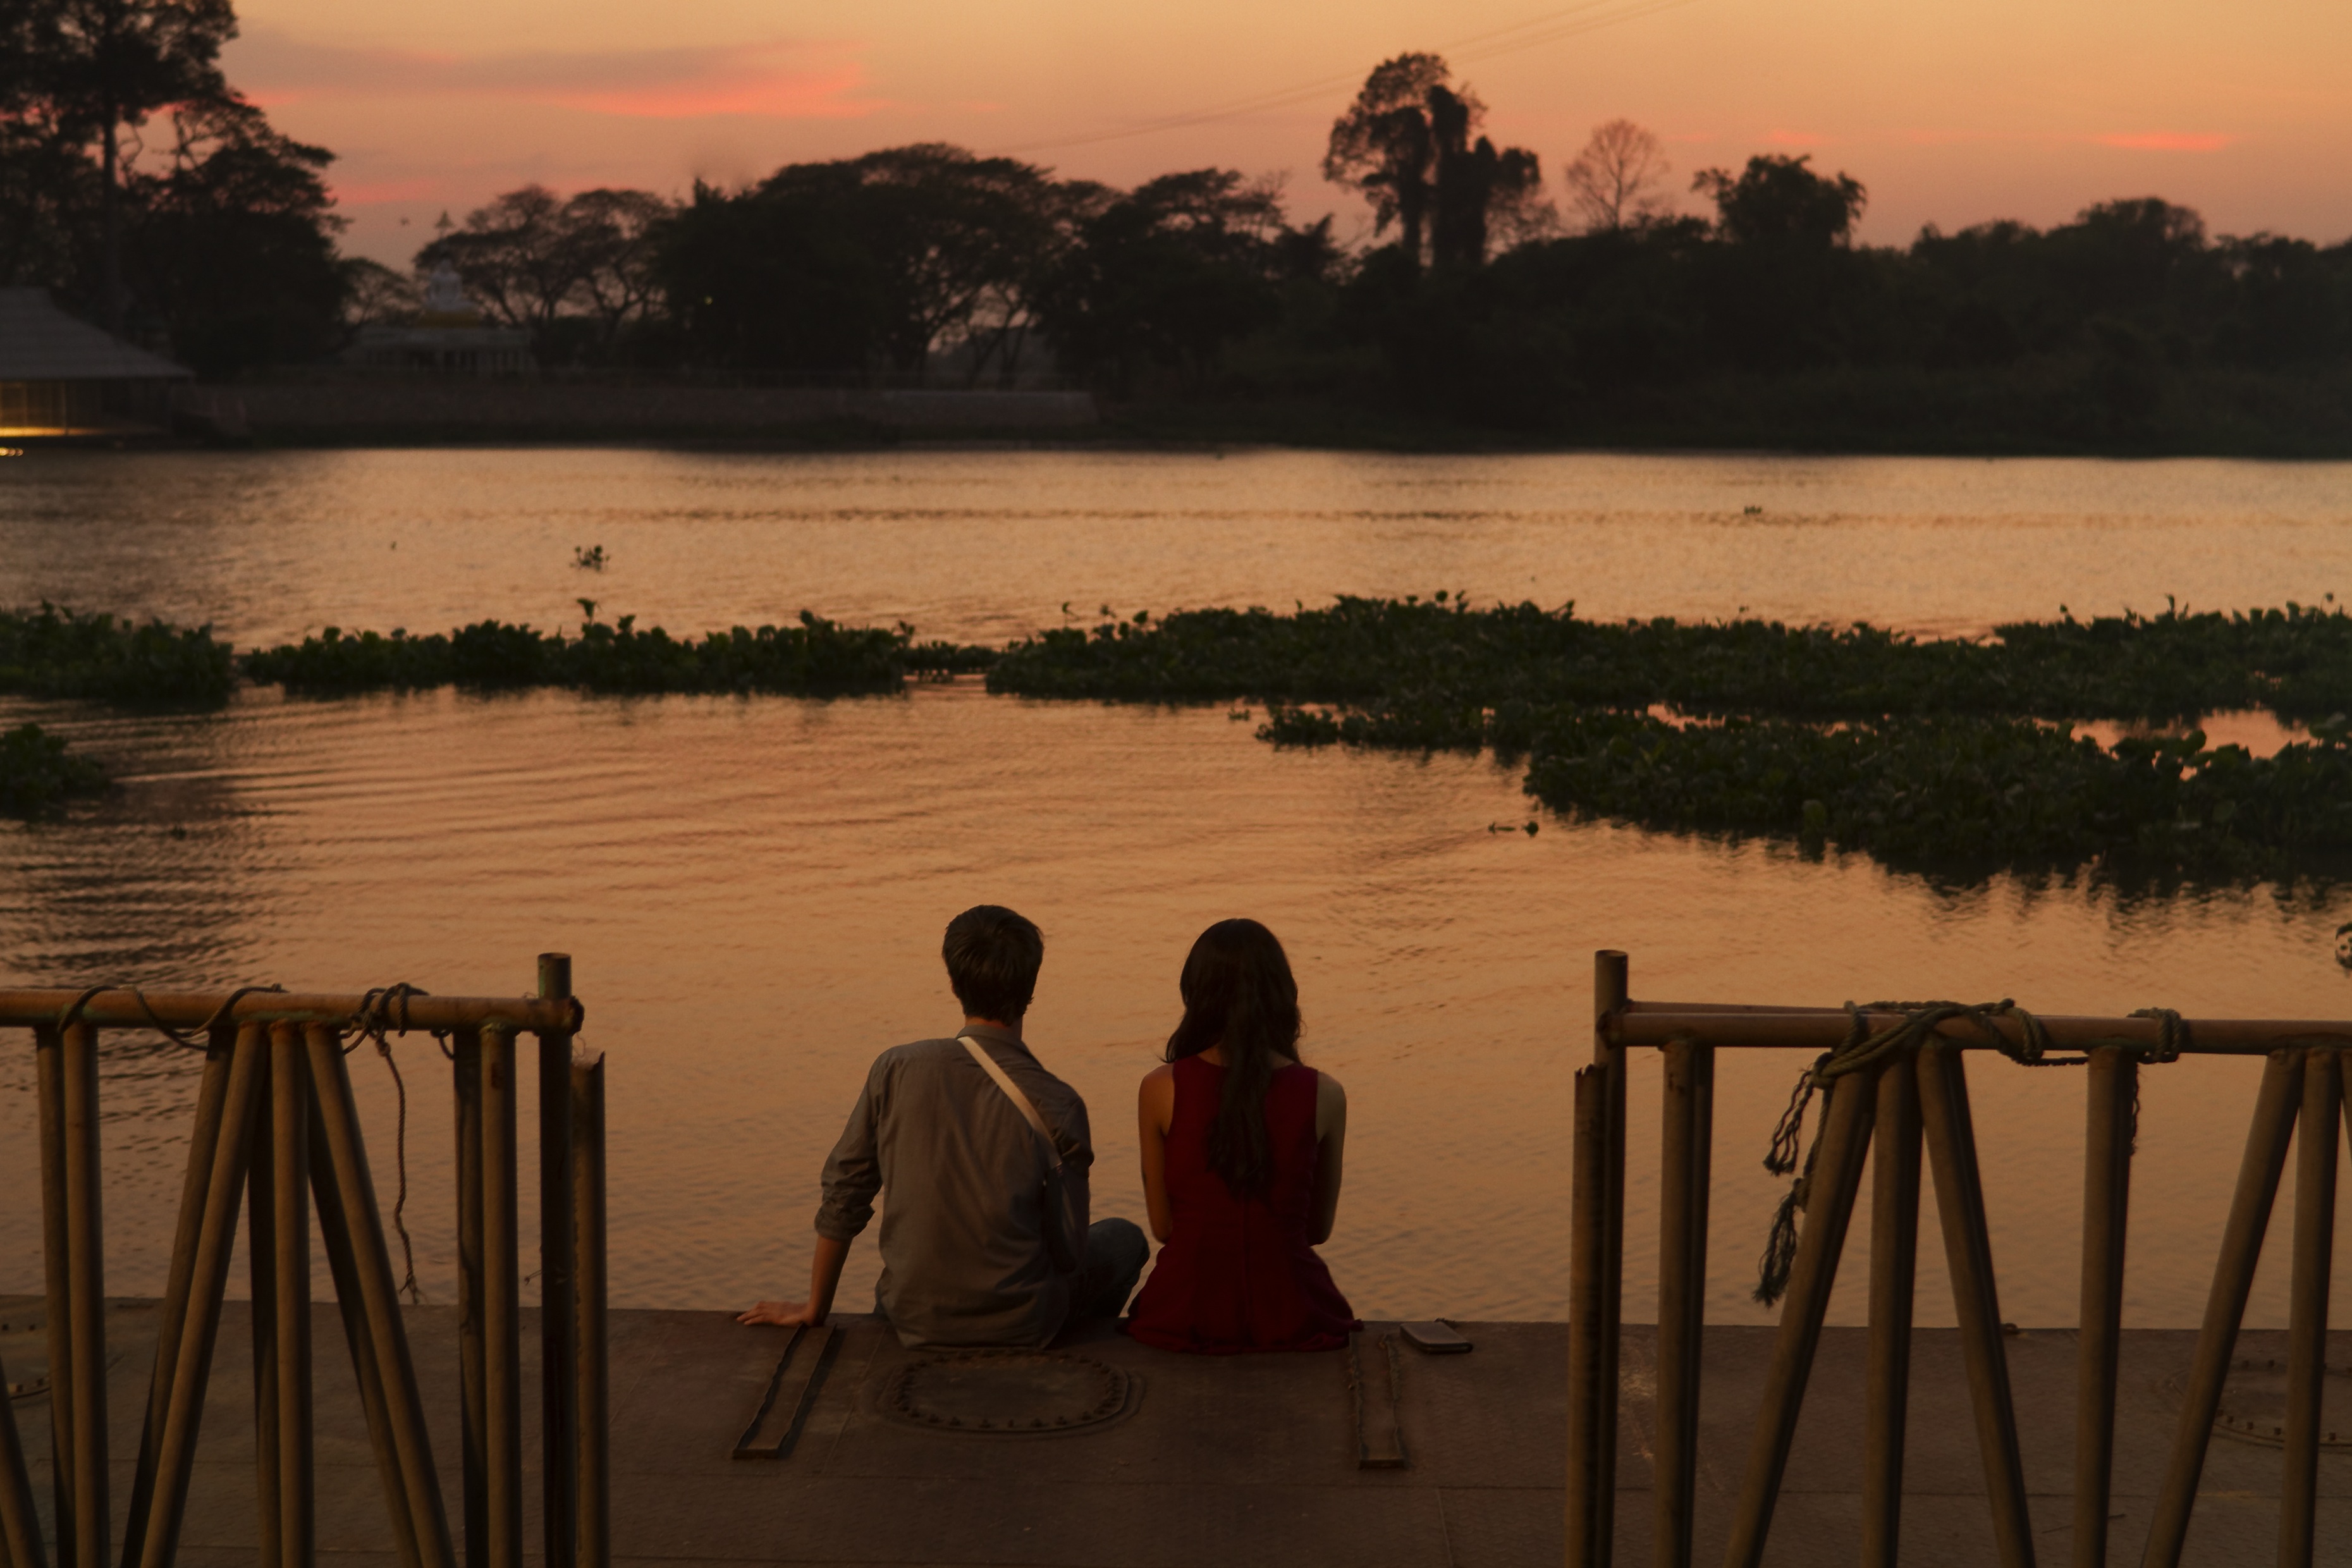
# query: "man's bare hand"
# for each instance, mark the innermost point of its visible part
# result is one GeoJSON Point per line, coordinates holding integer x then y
{"type": "Point", "coordinates": [786, 1314]}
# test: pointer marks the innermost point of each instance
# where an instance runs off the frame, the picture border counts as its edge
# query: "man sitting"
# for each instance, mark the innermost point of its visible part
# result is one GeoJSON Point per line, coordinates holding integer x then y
{"type": "Point", "coordinates": [969, 1231]}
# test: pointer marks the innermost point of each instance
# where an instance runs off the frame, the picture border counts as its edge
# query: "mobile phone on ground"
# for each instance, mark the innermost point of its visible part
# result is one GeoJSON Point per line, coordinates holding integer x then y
{"type": "Point", "coordinates": [1435, 1337]}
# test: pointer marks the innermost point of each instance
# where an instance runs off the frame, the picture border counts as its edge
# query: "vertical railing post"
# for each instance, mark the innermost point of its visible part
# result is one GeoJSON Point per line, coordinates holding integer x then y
{"type": "Point", "coordinates": [380, 1339]}
{"type": "Point", "coordinates": [290, 1159]}
{"type": "Point", "coordinates": [559, 1329]}
{"type": "Point", "coordinates": [2113, 1090]}
{"type": "Point", "coordinates": [204, 1135]}
{"type": "Point", "coordinates": [2315, 1257]}
{"type": "Point", "coordinates": [175, 1444]}
{"type": "Point", "coordinates": [1685, 1167]}
{"type": "Point", "coordinates": [261, 1264]}
{"type": "Point", "coordinates": [1586, 1407]}
{"type": "Point", "coordinates": [596, 1540]}
{"type": "Point", "coordinates": [20, 1517]}
{"type": "Point", "coordinates": [501, 1314]}
{"type": "Point", "coordinates": [57, 1252]}
{"type": "Point", "coordinates": [1610, 1058]}
{"type": "Point", "coordinates": [1596, 1264]}
{"type": "Point", "coordinates": [85, 1298]}
{"type": "Point", "coordinates": [1832, 1181]}
{"type": "Point", "coordinates": [466, 1050]}
{"type": "Point", "coordinates": [1894, 1273]}
{"type": "Point", "coordinates": [2276, 1104]}
{"type": "Point", "coordinates": [1975, 1302]}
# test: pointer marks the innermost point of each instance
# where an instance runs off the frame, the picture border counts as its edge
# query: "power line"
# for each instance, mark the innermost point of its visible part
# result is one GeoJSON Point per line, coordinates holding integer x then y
{"type": "Point", "coordinates": [1550, 28]}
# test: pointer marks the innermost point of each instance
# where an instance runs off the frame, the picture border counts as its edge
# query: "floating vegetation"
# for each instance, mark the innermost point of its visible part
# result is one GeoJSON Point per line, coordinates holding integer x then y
{"type": "Point", "coordinates": [2297, 661]}
{"type": "Point", "coordinates": [1949, 753]}
{"type": "Point", "coordinates": [1958, 791]}
{"type": "Point", "coordinates": [814, 657]}
{"type": "Point", "coordinates": [56, 652]}
{"type": "Point", "coordinates": [39, 773]}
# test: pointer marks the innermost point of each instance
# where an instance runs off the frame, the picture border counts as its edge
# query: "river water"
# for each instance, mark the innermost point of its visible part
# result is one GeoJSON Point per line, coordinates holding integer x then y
{"type": "Point", "coordinates": [752, 890]}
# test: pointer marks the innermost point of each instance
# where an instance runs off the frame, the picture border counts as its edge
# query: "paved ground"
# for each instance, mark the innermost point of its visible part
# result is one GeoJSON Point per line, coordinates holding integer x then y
{"type": "Point", "coordinates": [1241, 1461]}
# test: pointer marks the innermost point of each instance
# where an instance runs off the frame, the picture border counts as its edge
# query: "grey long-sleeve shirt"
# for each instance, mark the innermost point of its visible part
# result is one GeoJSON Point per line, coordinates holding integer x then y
{"type": "Point", "coordinates": [963, 1251]}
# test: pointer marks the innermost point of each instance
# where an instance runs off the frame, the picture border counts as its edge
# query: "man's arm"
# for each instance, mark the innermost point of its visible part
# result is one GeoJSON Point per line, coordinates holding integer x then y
{"type": "Point", "coordinates": [824, 1278]}
{"type": "Point", "coordinates": [853, 1175]}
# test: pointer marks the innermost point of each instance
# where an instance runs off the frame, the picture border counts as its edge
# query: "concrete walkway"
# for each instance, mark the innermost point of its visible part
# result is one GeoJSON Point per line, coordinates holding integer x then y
{"type": "Point", "coordinates": [1241, 1461]}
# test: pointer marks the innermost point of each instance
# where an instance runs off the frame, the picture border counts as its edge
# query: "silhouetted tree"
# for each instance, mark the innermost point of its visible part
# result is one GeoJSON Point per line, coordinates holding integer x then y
{"type": "Point", "coordinates": [1618, 179]}
{"type": "Point", "coordinates": [1778, 201]}
{"type": "Point", "coordinates": [231, 240]}
{"type": "Point", "coordinates": [1170, 274]}
{"type": "Point", "coordinates": [104, 68]}
{"type": "Point", "coordinates": [1407, 143]}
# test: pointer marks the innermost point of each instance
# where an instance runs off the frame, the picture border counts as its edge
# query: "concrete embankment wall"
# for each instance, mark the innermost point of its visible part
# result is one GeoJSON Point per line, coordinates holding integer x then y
{"type": "Point", "coordinates": [327, 411]}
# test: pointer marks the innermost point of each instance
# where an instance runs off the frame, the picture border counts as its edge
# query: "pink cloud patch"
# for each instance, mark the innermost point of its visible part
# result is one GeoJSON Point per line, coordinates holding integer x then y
{"type": "Point", "coordinates": [2165, 142]}
{"type": "Point", "coordinates": [781, 80]}
{"type": "Point", "coordinates": [1794, 138]}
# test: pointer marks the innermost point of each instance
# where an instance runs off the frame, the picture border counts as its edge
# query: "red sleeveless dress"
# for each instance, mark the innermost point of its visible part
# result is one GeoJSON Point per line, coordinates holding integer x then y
{"type": "Point", "coordinates": [1241, 1275]}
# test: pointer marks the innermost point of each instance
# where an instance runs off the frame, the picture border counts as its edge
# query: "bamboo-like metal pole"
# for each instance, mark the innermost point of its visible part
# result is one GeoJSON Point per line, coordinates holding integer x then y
{"type": "Point", "coordinates": [20, 1517]}
{"type": "Point", "coordinates": [57, 1250]}
{"type": "Point", "coordinates": [1833, 1183]}
{"type": "Point", "coordinates": [1610, 972]}
{"type": "Point", "coordinates": [559, 1318]}
{"type": "Point", "coordinates": [2112, 1092]}
{"type": "Point", "coordinates": [261, 1264]}
{"type": "Point", "coordinates": [175, 1448]}
{"type": "Point", "coordinates": [342, 1263]}
{"type": "Point", "coordinates": [501, 1315]}
{"type": "Point", "coordinates": [596, 1540]}
{"type": "Point", "coordinates": [86, 1296]}
{"type": "Point", "coordinates": [212, 1093]}
{"type": "Point", "coordinates": [1975, 1300]}
{"type": "Point", "coordinates": [377, 1299]}
{"type": "Point", "coordinates": [130, 1009]}
{"type": "Point", "coordinates": [1894, 1271]}
{"type": "Point", "coordinates": [467, 1053]}
{"type": "Point", "coordinates": [1688, 1139]}
{"type": "Point", "coordinates": [1588, 1406]}
{"type": "Point", "coordinates": [2315, 1257]}
{"type": "Point", "coordinates": [290, 1159]}
{"type": "Point", "coordinates": [2276, 1105]}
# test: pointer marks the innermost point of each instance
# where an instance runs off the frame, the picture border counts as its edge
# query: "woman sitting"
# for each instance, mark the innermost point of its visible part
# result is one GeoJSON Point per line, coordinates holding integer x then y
{"type": "Point", "coordinates": [1241, 1162]}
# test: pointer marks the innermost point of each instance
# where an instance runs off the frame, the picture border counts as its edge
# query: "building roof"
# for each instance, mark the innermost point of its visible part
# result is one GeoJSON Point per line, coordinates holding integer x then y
{"type": "Point", "coordinates": [40, 342]}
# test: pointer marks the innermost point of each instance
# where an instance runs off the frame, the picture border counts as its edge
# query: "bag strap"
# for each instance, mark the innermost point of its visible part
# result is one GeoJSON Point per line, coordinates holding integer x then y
{"type": "Point", "coordinates": [1012, 1092]}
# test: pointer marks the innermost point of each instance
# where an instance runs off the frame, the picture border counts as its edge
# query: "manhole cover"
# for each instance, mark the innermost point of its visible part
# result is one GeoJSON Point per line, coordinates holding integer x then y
{"type": "Point", "coordinates": [2253, 1403]}
{"type": "Point", "coordinates": [1006, 1392]}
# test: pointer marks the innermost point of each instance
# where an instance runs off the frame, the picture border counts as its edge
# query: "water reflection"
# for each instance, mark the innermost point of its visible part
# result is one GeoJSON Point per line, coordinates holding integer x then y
{"type": "Point", "coordinates": [752, 888]}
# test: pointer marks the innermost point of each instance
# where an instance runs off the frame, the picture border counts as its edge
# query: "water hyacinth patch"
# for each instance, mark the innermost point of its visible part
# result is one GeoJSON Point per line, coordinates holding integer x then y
{"type": "Point", "coordinates": [2297, 661]}
{"type": "Point", "coordinates": [1955, 791]}
{"type": "Point", "coordinates": [814, 657]}
{"type": "Point", "coordinates": [39, 773]}
{"type": "Point", "coordinates": [57, 652]}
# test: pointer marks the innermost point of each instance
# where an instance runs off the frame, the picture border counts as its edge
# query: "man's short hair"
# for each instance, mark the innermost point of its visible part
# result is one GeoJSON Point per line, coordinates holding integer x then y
{"type": "Point", "coordinates": [992, 957]}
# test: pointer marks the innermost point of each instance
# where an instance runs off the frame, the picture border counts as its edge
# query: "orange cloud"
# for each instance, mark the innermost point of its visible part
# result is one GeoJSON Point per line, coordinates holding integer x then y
{"type": "Point", "coordinates": [783, 80]}
{"type": "Point", "coordinates": [2165, 142]}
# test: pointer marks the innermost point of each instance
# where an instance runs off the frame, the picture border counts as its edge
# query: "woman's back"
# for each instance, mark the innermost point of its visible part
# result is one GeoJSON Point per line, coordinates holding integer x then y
{"type": "Point", "coordinates": [1241, 1274]}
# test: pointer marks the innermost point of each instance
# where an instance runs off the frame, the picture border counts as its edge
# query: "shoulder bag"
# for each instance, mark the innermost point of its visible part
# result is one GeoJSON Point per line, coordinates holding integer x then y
{"type": "Point", "coordinates": [1051, 1202]}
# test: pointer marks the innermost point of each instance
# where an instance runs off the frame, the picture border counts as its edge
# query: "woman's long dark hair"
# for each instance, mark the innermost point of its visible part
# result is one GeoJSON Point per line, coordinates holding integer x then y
{"type": "Point", "coordinates": [1239, 996]}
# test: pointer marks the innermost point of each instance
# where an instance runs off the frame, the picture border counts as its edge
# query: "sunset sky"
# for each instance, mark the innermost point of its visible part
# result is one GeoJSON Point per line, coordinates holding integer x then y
{"type": "Point", "coordinates": [1949, 110]}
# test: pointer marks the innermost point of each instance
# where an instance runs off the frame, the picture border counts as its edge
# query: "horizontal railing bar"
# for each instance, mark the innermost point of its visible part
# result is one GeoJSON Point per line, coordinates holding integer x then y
{"type": "Point", "coordinates": [185, 1010]}
{"type": "Point", "coordinates": [1823, 1028]}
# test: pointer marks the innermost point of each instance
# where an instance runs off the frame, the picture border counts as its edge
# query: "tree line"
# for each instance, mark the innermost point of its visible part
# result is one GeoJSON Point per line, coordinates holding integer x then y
{"type": "Point", "coordinates": [144, 189]}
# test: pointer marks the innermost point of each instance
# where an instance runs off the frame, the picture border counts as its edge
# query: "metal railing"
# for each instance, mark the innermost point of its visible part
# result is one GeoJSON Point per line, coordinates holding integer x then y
{"type": "Point", "coordinates": [1900, 1098]}
{"type": "Point", "coordinates": [276, 1130]}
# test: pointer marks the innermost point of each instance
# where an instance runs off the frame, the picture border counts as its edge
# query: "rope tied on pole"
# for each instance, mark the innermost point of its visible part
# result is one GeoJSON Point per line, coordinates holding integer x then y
{"type": "Point", "coordinates": [1864, 1048]}
{"type": "Point", "coordinates": [372, 1023]}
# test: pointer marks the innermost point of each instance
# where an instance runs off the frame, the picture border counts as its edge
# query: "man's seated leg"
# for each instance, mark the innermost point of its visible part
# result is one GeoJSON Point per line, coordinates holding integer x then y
{"type": "Point", "coordinates": [1116, 1253]}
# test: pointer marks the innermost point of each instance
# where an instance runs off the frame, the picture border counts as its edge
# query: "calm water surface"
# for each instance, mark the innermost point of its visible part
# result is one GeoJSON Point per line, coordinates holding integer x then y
{"type": "Point", "coordinates": [752, 888]}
